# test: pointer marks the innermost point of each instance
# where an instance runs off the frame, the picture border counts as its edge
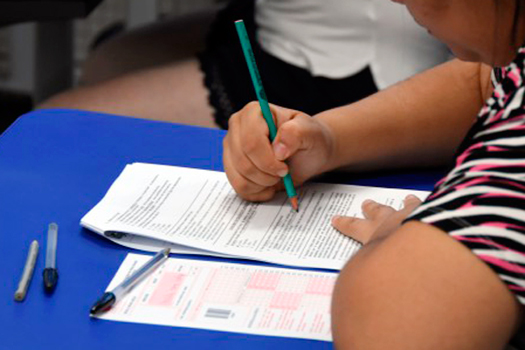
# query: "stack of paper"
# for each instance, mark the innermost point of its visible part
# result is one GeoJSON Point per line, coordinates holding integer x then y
{"type": "Point", "coordinates": [197, 212]}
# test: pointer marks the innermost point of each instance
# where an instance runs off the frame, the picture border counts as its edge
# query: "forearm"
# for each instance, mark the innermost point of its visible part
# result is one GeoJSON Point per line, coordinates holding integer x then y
{"type": "Point", "coordinates": [419, 122]}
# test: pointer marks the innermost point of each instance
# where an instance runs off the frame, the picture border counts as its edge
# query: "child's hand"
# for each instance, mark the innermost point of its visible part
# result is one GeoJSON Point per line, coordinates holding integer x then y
{"type": "Point", "coordinates": [380, 220]}
{"type": "Point", "coordinates": [255, 167]}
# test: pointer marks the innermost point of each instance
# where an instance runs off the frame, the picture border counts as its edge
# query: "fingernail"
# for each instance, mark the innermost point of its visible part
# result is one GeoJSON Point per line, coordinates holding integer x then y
{"type": "Point", "coordinates": [279, 149]}
{"type": "Point", "coordinates": [367, 201]}
{"type": "Point", "coordinates": [282, 173]}
{"type": "Point", "coordinates": [335, 219]}
{"type": "Point", "coordinates": [411, 196]}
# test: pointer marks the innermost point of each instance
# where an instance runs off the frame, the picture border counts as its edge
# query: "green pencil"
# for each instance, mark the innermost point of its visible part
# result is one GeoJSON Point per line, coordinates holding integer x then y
{"type": "Point", "coordinates": [263, 102]}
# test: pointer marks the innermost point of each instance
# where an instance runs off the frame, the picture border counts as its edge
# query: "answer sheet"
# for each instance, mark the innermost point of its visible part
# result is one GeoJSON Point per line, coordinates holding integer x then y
{"type": "Point", "coordinates": [227, 297]}
{"type": "Point", "coordinates": [196, 211]}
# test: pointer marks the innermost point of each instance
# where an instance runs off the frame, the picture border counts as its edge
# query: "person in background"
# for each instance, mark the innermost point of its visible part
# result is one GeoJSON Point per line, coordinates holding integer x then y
{"type": "Point", "coordinates": [448, 273]}
{"type": "Point", "coordinates": [313, 55]}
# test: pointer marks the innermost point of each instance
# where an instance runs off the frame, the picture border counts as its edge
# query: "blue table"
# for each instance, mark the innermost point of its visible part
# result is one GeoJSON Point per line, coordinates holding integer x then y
{"type": "Point", "coordinates": [57, 164]}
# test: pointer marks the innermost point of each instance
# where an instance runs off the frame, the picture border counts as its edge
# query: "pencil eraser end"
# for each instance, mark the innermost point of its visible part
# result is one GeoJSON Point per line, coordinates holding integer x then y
{"type": "Point", "coordinates": [50, 279]}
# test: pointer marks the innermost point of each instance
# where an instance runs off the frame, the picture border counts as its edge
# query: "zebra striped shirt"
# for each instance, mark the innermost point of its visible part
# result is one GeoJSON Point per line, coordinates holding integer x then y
{"type": "Point", "coordinates": [481, 201]}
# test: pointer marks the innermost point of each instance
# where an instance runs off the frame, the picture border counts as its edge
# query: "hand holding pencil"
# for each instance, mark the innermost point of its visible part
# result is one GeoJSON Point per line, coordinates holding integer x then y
{"type": "Point", "coordinates": [255, 166]}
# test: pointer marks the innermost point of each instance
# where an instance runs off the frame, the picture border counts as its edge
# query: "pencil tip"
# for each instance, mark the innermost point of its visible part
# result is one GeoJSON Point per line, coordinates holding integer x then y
{"type": "Point", "coordinates": [295, 204]}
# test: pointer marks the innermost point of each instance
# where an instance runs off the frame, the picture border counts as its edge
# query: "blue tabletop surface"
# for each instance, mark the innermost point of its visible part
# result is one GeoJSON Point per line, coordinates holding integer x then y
{"type": "Point", "coordinates": [55, 165]}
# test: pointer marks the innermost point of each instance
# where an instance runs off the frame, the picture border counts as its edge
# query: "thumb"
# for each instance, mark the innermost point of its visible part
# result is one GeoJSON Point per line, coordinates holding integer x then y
{"type": "Point", "coordinates": [290, 138]}
{"type": "Point", "coordinates": [280, 150]}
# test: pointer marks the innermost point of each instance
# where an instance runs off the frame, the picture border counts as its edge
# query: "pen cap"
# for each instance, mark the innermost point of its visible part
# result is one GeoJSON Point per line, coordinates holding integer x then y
{"type": "Point", "coordinates": [103, 304]}
{"type": "Point", "coordinates": [50, 279]}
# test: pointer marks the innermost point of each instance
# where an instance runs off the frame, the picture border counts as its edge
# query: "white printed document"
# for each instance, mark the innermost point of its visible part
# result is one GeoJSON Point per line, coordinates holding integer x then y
{"type": "Point", "coordinates": [227, 297]}
{"type": "Point", "coordinates": [196, 211]}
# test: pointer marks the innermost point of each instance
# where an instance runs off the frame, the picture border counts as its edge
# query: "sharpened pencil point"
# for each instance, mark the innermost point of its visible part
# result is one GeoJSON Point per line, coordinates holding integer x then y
{"type": "Point", "coordinates": [295, 204]}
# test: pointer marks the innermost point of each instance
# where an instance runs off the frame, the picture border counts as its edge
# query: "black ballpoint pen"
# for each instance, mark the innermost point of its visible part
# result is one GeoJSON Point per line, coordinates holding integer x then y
{"type": "Point", "coordinates": [109, 298]}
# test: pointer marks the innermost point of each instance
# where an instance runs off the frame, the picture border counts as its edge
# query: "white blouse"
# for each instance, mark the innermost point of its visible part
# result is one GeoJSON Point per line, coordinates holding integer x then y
{"type": "Point", "coordinates": [338, 38]}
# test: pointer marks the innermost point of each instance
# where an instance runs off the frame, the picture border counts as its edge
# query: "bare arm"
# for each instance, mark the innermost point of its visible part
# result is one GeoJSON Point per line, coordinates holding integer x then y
{"type": "Point", "coordinates": [418, 122]}
{"type": "Point", "coordinates": [418, 288]}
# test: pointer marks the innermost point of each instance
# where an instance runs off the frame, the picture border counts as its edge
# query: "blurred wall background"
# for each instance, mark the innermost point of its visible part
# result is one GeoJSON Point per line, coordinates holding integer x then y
{"type": "Point", "coordinates": [15, 41]}
{"type": "Point", "coordinates": [17, 49]}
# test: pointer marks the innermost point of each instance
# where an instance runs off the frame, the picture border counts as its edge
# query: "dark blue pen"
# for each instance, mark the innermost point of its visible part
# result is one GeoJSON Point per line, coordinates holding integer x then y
{"type": "Point", "coordinates": [109, 298]}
